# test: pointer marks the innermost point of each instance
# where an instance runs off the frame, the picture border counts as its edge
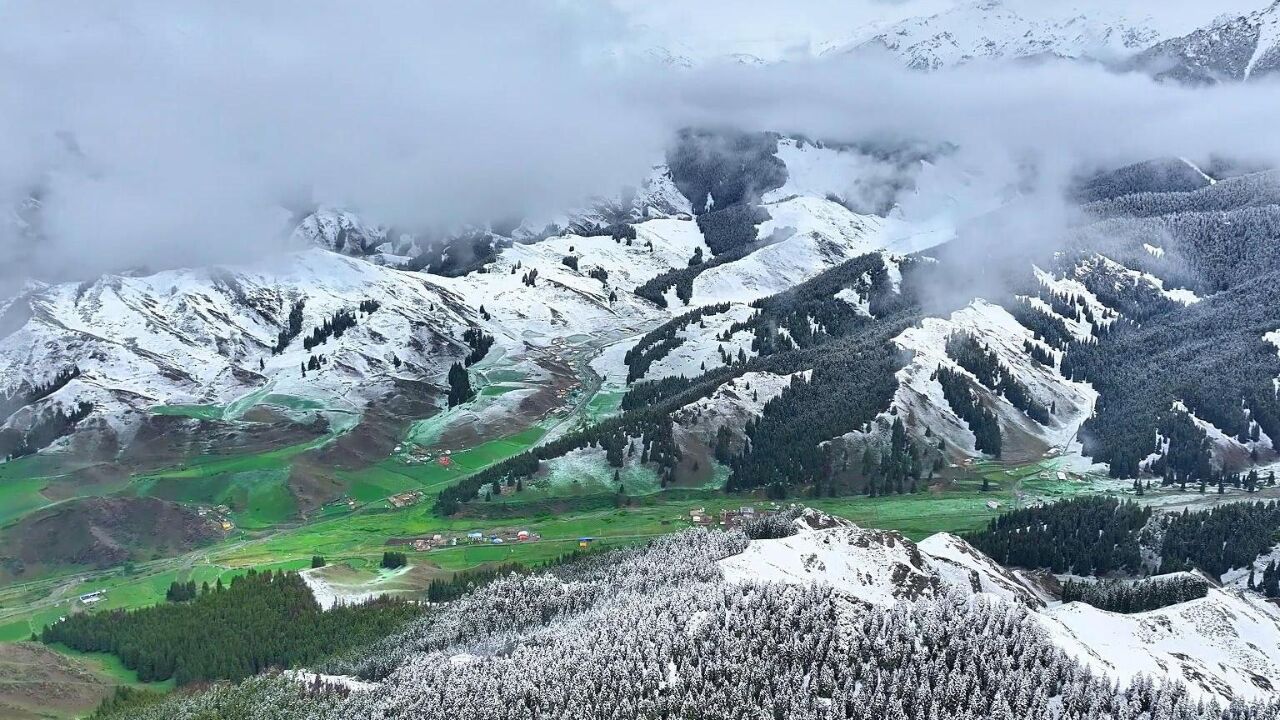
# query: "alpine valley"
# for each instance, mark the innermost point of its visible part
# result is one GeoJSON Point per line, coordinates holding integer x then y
{"type": "Point", "coordinates": [793, 425]}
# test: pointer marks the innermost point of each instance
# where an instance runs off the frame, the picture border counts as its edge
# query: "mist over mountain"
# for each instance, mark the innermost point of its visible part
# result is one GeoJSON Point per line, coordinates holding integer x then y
{"type": "Point", "coordinates": [888, 358]}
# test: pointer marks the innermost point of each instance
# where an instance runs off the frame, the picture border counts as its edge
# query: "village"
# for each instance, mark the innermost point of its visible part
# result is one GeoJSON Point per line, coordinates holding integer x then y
{"type": "Point", "coordinates": [501, 536]}
{"type": "Point", "coordinates": [726, 518]}
{"type": "Point", "coordinates": [219, 515]}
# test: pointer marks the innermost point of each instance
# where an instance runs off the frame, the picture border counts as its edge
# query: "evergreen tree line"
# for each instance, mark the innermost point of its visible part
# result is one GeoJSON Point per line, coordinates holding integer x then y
{"type": "Point", "coordinates": [1219, 239]}
{"type": "Point", "coordinates": [1099, 535]}
{"type": "Point", "coordinates": [811, 314]}
{"type": "Point", "coordinates": [847, 390]}
{"type": "Point", "coordinates": [1085, 536]}
{"type": "Point", "coordinates": [335, 326]}
{"type": "Point", "coordinates": [655, 289]}
{"type": "Point", "coordinates": [646, 394]}
{"type": "Point", "coordinates": [660, 341]}
{"type": "Point", "coordinates": [1116, 288]}
{"type": "Point", "coordinates": [1259, 190]}
{"type": "Point", "coordinates": [1270, 585]}
{"type": "Point", "coordinates": [461, 583]}
{"type": "Point", "coordinates": [460, 390]}
{"type": "Point", "coordinates": [479, 341]}
{"type": "Point", "coordinates": [181, 592]}
{"type": "Point", "coordinates": [260, 621]}
{"type": "Point", "coordinates": [49, 425]}
{"type": "Point", "coordinates": [972, 355]}
{"type": "Point", "coordinates": [1134, 597]}
{"type": "Point", "coordinates": [21, 397]}
{"type": "Point", "coordinates": [619, 231]}
{"type": "Point", "coordinates": [392, 559]}
{"type": "Point", "coordinates": [1038, 353]}
{"type": "Point", "coordinates": [1221, 538]}
{"type": "Point", "coordinates": [647, 433]}
{"type": "Point", "coordinates": [292, 328]}
{"type": "Point", "coordinates": [1046, 327]}
{"type": "Point", "coordinates": [967, 405]}
{"type": "Point", "coordinates": [1164, 175]}
{"type": "Point", "coordinates": [1224, 376]}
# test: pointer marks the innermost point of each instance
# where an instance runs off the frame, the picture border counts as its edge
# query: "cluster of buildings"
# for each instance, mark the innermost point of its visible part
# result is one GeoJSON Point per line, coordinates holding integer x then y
{"type": "Point", "coordinates": [405, 499]}
{"type": "Point", "coordinates": [728, 518]}
{"type": "Point", "coordinates": [418, 455]}
{"type": "Point", "coordinates": [219, 515]}
{"type": "Point", "coordinates": [475, 537]}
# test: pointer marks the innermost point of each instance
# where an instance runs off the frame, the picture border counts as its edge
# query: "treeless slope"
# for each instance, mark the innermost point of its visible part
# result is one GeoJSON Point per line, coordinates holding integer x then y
{"type": "Point", "coordinates": [102, 532]}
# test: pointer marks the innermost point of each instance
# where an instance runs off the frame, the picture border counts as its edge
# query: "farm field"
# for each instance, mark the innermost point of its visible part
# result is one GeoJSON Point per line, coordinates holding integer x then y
{"type": "Point", "coordinates": [358, 539]}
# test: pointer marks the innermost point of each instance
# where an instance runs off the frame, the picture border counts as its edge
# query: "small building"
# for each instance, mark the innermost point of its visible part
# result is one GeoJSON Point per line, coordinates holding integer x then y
{"type": "Point", "coordinates": [1062, 475]}
{"type": "Point", "coordinates": [993, 504]}
{"type": "Point", "coordinates": [474, 536]}
{"type": "Point", "coordinates": [496, 540]}
{"type": "Point", "coordinates": [522, 535]}
{"type": "Point", "coordinates": [585, 542]}
{"type": "Point", "coordinates": [421, 544]}
{"type": "Point", "coordinates": [93, 597]}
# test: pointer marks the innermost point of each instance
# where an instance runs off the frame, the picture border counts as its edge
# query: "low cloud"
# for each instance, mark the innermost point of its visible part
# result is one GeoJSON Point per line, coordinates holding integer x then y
{"type": "Point", "coordinates": [155, 134]}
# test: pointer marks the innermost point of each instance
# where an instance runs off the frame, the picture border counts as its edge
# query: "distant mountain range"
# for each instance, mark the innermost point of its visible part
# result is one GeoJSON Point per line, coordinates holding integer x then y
{"type": "Point", "coordinates": [1218, 44]}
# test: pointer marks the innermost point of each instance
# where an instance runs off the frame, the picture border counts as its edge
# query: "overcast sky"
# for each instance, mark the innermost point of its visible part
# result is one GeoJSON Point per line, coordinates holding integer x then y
{"type": "Point", "coordinates": [165, 133]}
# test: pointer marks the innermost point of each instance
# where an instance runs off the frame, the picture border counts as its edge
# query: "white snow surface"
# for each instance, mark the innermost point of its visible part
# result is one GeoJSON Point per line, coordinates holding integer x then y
{"type": "Point", "coordinates": [919, 397]}
{"type": "Point", "coordinates": [1221, 646]}
{"type": "Point", "coordinates": [995, 30]}
{"type": "Point", "coordinates": [198, 336]}
{"type": "Point", "coordinates": [732, 404]}
{"type": "Point", "coordinates": [1268, 22]}
{"type": "Point", "coordinates": [700, 349]}
{"type": "Point", "coordinates": [876, 567]}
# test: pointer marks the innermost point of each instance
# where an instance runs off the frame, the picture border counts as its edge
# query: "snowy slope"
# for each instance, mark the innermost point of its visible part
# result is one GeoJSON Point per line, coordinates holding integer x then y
{"type": "Point", "coordinates": [655, 197]}
{"type": "Point", "coordinates": [813, 234]}
{"type": "Point", "coordinates": [1238, 47]}
{"type": "Point", "coordinates": [205, 336]}
{"type": "Point", "coordinates": [1224, 645]}
{"type": "Point", "coordinates": [952, 556]}
{"type": "Point", "coordinates": [701, 345]}
{"type": "Point", "coordinates": [877, 567]}
{"type": "Point", "coordinates": [919, 396]}
{"type": "Point", "coordinates": [199, 336]}
{"type": "Point", "coordinates": [732, 405]}
{"type": "Point", "coordinates": [563, 301]}
{"type": "Point", "coordinates": [994, 30]}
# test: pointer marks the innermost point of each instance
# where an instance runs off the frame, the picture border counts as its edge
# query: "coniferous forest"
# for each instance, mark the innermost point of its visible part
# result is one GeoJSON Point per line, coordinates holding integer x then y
{"type": "Point", "coordinates": [656, 632]}
{"type": "Point", "coordinates": [1133, 597]}
{"type": "Point", "coordinates": [257, 622]}
{"type": "Point", "coordinates": [1100, 535]}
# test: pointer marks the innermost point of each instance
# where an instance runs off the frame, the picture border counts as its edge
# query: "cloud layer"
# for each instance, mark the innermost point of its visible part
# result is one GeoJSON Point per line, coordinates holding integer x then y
{"type": "Point", "coordinates": [168, 133]}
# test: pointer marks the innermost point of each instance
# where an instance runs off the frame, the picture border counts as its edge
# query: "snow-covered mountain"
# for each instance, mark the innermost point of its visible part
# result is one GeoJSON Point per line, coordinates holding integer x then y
{"type": "Point", "coordinates": [996, 30]}
{"type": "Point", "coordinates": [212, 337]}
{"type": "Point", "coordinates": [876, 567]}
{"type": "Point", "coordinates": [935, 35]}
{"type": "Point", "coordinates": [1222, 646]}
{"type": "Point", "coordinates": [1237, 47]}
